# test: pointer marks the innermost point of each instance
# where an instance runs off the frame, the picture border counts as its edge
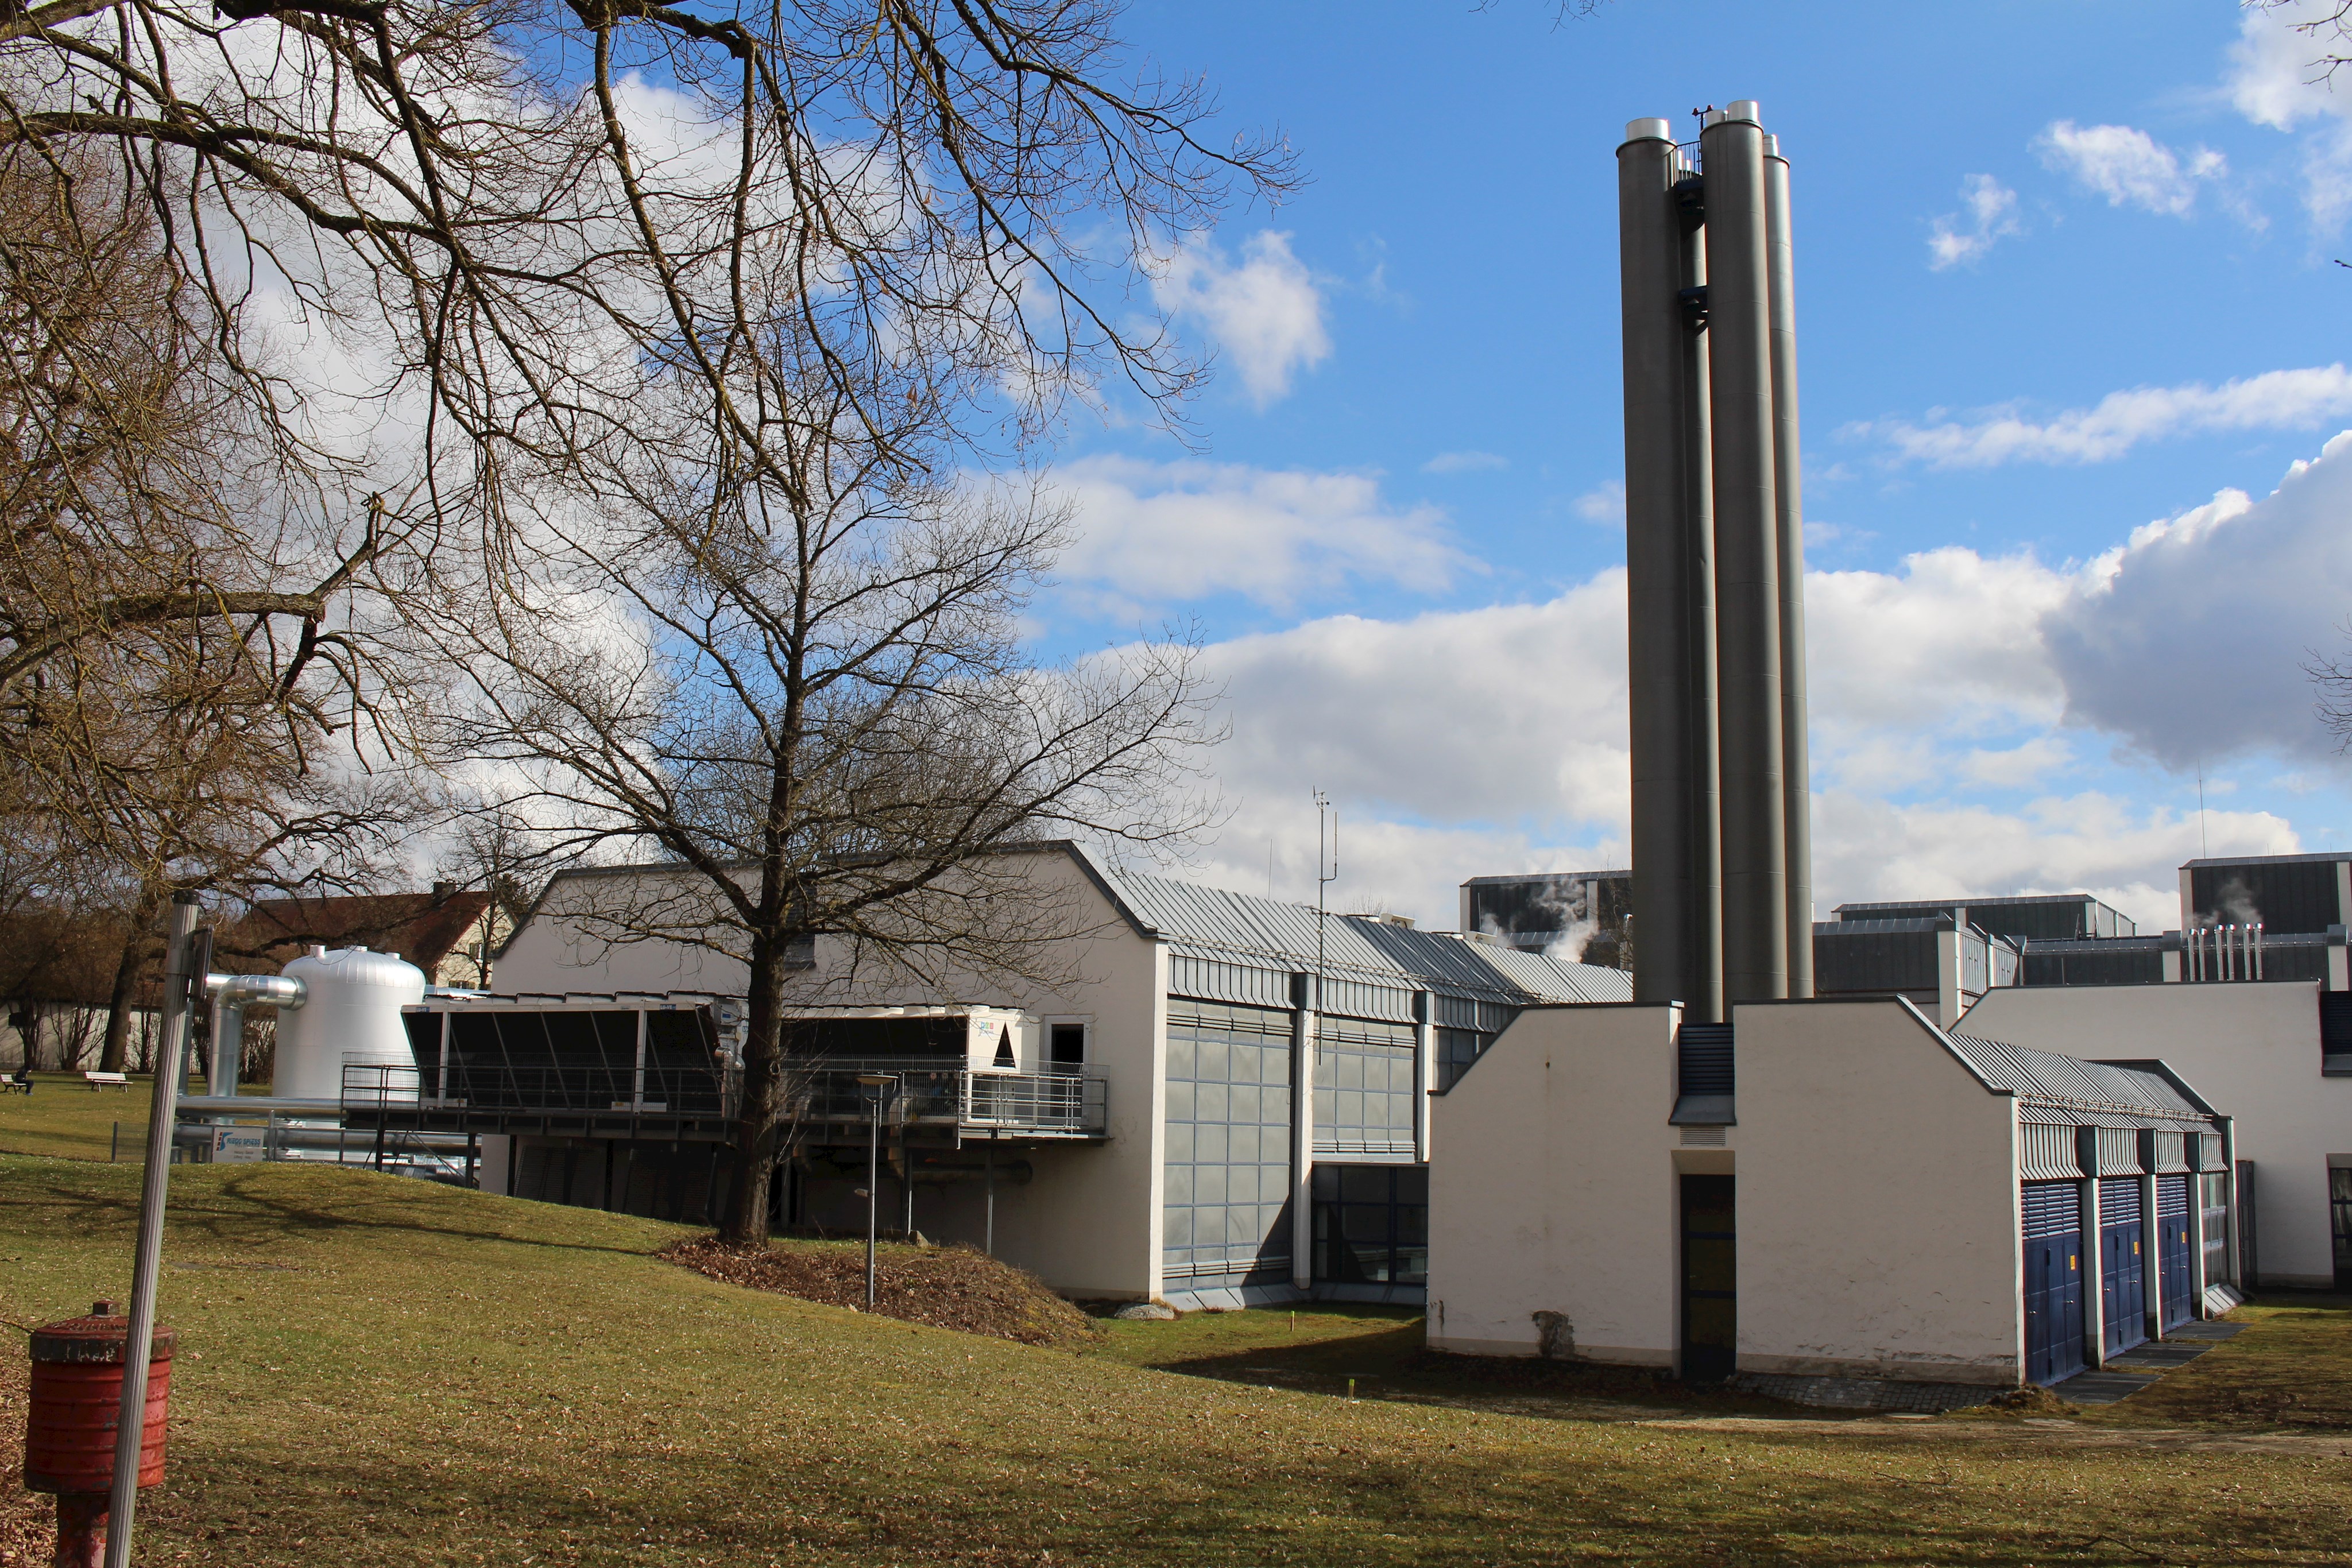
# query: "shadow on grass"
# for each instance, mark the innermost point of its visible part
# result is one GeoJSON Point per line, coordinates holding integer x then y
{"type": "Point", "coordinates": [263, 1206]}
{"type": "Point", "coordinates": [1394, 1362]}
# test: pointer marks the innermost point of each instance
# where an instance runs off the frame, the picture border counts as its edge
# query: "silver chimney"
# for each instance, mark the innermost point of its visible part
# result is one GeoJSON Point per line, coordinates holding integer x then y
{"type": "Point", "coordinates": [1715, 568]}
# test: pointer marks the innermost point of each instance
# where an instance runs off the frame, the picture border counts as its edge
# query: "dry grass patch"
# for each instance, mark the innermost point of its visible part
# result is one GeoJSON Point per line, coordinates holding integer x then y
{"type": "Point", "coordinates": [378, 1372]}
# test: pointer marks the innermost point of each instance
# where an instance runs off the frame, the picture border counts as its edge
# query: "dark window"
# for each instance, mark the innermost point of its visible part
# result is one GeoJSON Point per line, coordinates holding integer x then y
{"type": "Point", "coordinates": [2336, 1031]}
{"type": "Point", "coordinates": [1069, 1045]}
{"type": "Point", "coordinates": [1371, 1225]}
{"type": "Point", "coordinates": [2339, 1204]}
{"type": "Point", "coordinates": [1456, 1050]}
{"type": "Point", "coordinates": [1004, 1048]}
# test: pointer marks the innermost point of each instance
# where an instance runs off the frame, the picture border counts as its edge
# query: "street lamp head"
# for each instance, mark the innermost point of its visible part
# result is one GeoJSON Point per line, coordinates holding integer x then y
{"type": "Point", "coordinates": [876, 1079]}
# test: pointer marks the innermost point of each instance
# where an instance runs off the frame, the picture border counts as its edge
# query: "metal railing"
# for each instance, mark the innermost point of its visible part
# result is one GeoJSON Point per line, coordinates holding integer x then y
{"type": "Point", "coordinates": [1064, 1104]}
{"type": "Point", "coordinates": [584, 1089]}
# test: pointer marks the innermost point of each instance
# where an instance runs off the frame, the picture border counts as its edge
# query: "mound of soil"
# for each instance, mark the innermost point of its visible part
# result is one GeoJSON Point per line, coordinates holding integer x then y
{"type": "Point", "coordinates": [2030, 1400]}
{"type": "Point", "coordinates": [959, 1288]}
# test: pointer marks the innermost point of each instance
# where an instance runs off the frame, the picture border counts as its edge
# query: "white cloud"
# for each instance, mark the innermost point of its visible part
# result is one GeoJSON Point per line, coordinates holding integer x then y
{"type": "Point", "coordinates": [2276, 400]}
{"type": "Point", "coordinates": [2189, 641]}
{"type": "Point", "coordinates": [1154, 532]}
{"type": "Point", "coordinates": [2129, 167]}
{"type": "Point", "coordinates": [1603, 505]}
{"type": "Point", "coordinates": [1957, 703]}
{"type": "Point", "coordinates": [1991, 217]}
{"type": "Point", "coordinates": [2278, 75]}
{"type": "Point", "coordinates": [1266, 313]}
{"type": "Point", "coordinates": [1464, 463]}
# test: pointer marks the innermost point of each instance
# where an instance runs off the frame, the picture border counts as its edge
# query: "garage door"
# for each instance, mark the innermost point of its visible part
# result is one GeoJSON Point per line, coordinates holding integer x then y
{"type": "Point", "coordinates": [2053, 1280]}
{"type": "Point", "coordinates": [2172, 1250]}
{"type": "Point", "coordinates": [2123, 1282]}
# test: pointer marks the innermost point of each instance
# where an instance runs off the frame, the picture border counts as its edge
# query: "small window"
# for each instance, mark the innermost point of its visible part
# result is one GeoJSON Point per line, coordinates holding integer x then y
{"type": "Point", "coordinates": [1069, 1047]}
{"type": "Point", "coordinates": [1004, 1048]}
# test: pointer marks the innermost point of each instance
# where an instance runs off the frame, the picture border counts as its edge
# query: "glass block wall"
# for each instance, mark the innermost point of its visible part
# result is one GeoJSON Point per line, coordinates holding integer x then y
{"type": "Point", "coordinates": [1366, 1080]}
{"type": "Point", "coordinates": [1228, 1160]}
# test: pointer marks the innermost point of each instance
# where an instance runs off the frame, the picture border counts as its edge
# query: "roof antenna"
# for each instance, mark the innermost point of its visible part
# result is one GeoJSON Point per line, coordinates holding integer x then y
{"type": "Point", "coordinates": [1326, 872]}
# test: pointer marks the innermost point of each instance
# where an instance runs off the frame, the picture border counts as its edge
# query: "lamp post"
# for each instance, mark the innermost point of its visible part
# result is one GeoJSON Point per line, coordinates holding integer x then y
{"type": "Point", "coordinates": [875, 1087]}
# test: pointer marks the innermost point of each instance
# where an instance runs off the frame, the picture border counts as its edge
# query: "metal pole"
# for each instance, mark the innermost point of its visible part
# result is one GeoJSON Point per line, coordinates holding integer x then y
{"type": "Point", "coordinates": [130, 1418]}
{"type": "Point", "coordinates": [873, 1186]}
{"type": "Point", "coordinates": [988, 1236]}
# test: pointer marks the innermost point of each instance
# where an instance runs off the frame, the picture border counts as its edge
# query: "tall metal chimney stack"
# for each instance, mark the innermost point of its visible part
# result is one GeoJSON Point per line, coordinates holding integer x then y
{"type": "Point", "coordinates": [1715, 568]}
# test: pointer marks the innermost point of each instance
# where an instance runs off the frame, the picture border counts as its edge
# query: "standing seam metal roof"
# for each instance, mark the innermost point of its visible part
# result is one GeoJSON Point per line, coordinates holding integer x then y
{"type": "Point", "coordinates": [1239, 927]}
{"type": "Point", "coordinates": [2076, 1084]}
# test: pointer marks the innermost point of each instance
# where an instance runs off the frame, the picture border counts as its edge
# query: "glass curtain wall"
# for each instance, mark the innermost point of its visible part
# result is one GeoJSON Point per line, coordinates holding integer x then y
{"type": "Point", "coordinates": [1228, 1139]}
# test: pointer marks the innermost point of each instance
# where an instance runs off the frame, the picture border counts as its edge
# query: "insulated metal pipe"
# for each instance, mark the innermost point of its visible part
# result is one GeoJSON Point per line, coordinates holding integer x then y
{"type": "Point", "coordinates": [1659, 633]}
{"type": "Point", "coordinates": [231, 995]}
{"type": "Point", "coordinates": [1747, 566]}
{"type": "Point", "coordinates": [1788, 487]}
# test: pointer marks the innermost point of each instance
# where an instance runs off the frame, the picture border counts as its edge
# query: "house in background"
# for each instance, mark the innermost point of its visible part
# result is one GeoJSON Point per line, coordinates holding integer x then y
{"type": "Point", "coordinates": [444, 931]}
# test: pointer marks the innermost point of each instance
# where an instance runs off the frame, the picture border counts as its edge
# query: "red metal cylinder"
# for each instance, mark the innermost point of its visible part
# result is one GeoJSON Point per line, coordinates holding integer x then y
{"type": "Point", "coordinates": [78, 1402]}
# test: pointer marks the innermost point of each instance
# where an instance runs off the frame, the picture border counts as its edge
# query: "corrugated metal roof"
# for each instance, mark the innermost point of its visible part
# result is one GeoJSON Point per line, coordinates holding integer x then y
{"type": "Point", "coordinates": [1209, 922]}
{"type": "Point", "coordinates": [2065, 1081]}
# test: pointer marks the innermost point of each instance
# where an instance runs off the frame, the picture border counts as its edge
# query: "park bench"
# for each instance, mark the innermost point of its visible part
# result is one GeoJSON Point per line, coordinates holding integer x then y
{"type": "Point", "coordinates": [97, 1080]}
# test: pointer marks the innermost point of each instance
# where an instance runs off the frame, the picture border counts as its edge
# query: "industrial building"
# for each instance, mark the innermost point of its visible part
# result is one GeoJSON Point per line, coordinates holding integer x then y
{"type": "Point", "coordinates": [2248, 997]}
{"type": "Point", "coordinates": [1216, 1066]}
{"type": "Point", "coordinates": [1549, 912]}
{"type": "Point", "coordinates": [1820, 1189]}
{"type": "Point", "coordinates": [2273, 1050]}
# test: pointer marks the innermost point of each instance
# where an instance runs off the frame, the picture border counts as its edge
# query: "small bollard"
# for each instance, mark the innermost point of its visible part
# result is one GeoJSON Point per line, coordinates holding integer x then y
{"type": "Point", "coordinates": [69, 1434]}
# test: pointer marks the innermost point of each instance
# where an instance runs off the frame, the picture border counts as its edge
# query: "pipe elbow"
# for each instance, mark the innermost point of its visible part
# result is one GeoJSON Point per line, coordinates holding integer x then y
{"type": "Point", "coordinates": [243, 990]}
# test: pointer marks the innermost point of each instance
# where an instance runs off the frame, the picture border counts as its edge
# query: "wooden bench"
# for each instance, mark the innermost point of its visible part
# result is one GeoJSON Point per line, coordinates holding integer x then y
{"type": "Point", "coordinates": [97, 1080]}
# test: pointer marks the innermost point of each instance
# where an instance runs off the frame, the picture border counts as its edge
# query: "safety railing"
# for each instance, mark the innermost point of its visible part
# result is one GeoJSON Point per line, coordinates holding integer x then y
{"type": "Point", "coordinates": [567, 1089]}
{"type": "Point", "coordinates": [1062, 1104]}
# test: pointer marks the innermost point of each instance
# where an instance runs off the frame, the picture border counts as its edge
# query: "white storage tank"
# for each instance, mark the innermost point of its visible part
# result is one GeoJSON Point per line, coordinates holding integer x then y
{"type": "Point", "coordinates": [349, 1014]}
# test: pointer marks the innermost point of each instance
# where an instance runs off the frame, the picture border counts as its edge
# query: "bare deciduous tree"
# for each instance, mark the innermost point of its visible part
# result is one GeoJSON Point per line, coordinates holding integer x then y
{"type": "Point", "coordinates": [815, 703]}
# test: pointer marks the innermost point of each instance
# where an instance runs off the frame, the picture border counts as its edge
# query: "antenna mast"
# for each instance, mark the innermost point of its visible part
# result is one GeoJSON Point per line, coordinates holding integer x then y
{"type": "Point", "coordinates": [1326, 872]}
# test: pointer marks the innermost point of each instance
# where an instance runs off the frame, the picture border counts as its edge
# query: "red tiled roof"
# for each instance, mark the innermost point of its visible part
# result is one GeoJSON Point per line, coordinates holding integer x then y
{"type": "Point", "coordinates": [422, 927]}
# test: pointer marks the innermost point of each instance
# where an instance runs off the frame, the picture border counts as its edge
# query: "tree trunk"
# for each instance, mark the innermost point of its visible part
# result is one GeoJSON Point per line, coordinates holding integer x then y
{"type": "Point", "coordinates": [117, 1006]}
{"type": "Point", "coordinates": [761, 1113]}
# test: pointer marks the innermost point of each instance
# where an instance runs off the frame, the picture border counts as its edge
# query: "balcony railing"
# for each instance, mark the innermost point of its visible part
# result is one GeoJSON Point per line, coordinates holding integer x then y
{"type": "Point", "coordinates": [1073, 1105]}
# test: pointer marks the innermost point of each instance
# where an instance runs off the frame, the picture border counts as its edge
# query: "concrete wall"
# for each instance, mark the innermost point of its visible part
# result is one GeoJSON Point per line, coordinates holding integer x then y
{"type": "Point", "coordinates": [1556, 1192]}
{"type": "Point", "coordinates": [1878, 1220]}
{"type": "Point", "coordinates": [2249, 1048]}
{"type": "Point", "coordinates": [1089, 1222]}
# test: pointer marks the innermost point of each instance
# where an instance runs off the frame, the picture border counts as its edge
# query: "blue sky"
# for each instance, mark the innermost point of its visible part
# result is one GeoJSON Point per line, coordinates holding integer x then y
{"type": "Point", "coordinates": [1395, 520]}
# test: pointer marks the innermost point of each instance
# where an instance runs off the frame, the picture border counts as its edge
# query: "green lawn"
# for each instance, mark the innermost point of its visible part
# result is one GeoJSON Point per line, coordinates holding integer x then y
{"type": "Point", "coordinates": [65, 1116]}
{"type": "Point", "coordinates": [382, 1371]}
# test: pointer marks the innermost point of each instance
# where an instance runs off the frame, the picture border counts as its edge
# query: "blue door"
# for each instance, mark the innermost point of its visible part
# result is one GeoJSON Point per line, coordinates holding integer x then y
{"type": "Point", "coordinates": [2053, 1280]}
{"type": "Point", "coordinates": [2172, 1250]}
{"type": "Point", "coordinates": [2122, 1285]}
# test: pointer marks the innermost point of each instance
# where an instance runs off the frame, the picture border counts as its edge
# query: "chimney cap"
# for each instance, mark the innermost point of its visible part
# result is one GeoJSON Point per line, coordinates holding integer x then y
{"type": "Point", "coordinates": [1745, 108]}
{"type": "Point", "coordinates": [1658, 129]}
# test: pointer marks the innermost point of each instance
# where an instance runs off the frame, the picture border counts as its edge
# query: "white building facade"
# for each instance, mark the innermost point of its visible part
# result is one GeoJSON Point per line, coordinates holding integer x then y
{"type": "Point", "coordinates": [1254, 1083]}
{"type": "Point", "coordinates": [1824, 1189]}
